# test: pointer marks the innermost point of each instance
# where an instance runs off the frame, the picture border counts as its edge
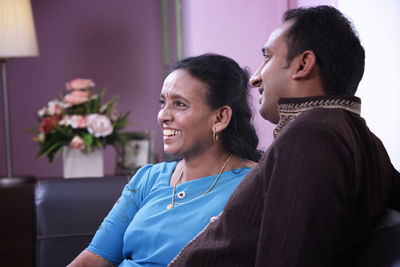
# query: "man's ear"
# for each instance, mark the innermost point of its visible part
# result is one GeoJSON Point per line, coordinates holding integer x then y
{"type": "Point", "coordinates": [304, 64]}
{"type": "Point", "coordinates": [222, 118]}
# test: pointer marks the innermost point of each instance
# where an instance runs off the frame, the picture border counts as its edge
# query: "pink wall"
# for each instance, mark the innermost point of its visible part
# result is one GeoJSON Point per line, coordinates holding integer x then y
{"type": "Point", "coordinates": [238, 29]}
{"type": "Point", "coordinates": [299, 3]}
{"type": "Point", "coordinates": [115, 43]}
{"type": "Point", "coordinates": [235, 28]}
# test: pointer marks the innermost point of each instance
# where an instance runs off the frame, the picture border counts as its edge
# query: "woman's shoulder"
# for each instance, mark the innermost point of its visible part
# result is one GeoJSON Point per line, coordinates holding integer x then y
{"type": "Point", "coordinates": [151, 172]}
{"type": "Point", "coordinates": [162, 167]}
{"type": "Point", "coordinates": [150, 176]}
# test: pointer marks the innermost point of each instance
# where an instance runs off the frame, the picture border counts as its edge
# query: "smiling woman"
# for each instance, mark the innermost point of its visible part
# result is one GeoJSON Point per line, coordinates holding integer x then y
{"type": "Point", "coordinates": [186, 119]}
{"type": "Point", "coordinates": [205, 119]}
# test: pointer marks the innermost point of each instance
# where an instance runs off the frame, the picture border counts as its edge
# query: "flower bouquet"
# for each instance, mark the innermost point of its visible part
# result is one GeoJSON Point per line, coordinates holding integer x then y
{"type": "Point", "coordinates": [79, 120]}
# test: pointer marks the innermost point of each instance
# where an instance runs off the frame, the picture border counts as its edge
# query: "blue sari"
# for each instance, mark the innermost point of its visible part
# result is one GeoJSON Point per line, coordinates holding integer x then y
{"type": "Point", "coordinates": [141, 231]}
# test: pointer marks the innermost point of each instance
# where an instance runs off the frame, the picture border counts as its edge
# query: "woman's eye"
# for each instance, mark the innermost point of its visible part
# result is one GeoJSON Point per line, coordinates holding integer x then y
{"type": "Point", "coordinates": [180, 103]}
{"type": "Point", "coordinates": [266, 57]}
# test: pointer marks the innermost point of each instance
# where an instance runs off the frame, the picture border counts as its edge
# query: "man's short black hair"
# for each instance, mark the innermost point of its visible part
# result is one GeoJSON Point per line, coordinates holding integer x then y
{"type": "Point", "coordinates": [334, 41]}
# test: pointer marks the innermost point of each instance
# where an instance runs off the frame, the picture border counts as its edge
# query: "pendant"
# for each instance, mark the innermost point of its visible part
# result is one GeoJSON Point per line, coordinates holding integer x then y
{"type": "Point", "coordinates": [170, 206]}
{"type": "Point", "coordinates": [181, 195]}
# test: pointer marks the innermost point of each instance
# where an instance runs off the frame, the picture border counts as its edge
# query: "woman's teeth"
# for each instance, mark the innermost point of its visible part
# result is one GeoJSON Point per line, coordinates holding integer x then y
{"type": "Point", "coordinates": [168, 132]}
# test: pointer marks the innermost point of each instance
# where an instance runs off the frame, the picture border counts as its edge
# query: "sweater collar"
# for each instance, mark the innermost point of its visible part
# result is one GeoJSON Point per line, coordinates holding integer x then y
{"type": "Point", "coordinates": [290, 108]}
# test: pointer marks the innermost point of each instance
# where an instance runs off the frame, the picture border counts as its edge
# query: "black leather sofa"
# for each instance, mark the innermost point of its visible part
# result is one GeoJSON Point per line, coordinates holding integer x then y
{"type": "Point", "coordinates": [381, 246]}
{"type": "Point", "coordinates": [68, 212]}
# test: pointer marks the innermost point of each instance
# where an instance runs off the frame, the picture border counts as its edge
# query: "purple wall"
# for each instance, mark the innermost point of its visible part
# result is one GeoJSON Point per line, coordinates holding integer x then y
{"type": "Point", "coordinates": [115, 43]}
{"type": "Point", "coordinates": [118, 44]}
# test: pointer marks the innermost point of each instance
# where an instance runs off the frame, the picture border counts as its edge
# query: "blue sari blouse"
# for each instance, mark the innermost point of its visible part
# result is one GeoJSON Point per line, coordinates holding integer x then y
{"type": "Point", "coordinates": [141, 231]}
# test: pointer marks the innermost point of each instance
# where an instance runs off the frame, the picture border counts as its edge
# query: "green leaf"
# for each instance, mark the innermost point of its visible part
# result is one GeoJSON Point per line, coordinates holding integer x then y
{"type": "Point", "coordinates": [51, 150]}
{"type": "Point", "coordinates": [98, 142]}
{"type": "Point", "coordinates": [97, 102]}
{"type": "Point", "coordinates": [88, 140]}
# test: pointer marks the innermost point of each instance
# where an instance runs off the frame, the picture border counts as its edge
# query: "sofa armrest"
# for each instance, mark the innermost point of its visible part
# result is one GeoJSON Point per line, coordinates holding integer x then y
{"type": "Point", "coordinates": [68, 212]}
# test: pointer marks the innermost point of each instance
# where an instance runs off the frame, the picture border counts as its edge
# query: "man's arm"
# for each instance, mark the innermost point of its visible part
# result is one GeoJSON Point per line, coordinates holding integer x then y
{"type": "Point", "coordinates": [304, 199]}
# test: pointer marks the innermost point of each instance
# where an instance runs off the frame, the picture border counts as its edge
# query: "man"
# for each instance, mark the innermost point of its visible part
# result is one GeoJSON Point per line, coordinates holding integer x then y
{"type": "Point", "coordinates": [325, 178]}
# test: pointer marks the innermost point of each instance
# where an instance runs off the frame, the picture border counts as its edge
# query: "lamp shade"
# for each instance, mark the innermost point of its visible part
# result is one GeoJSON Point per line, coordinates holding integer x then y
{"type": "Point", "coordinates": [17, 29]}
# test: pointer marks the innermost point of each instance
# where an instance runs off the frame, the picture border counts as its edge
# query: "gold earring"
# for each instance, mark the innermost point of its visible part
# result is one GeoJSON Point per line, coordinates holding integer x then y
{"type": "Point", "coordinates": [215, 136]}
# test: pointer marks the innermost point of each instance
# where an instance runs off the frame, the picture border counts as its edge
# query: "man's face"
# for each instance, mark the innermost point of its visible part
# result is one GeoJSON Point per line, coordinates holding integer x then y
{"type": "Point", "coordinates": [273, 76]}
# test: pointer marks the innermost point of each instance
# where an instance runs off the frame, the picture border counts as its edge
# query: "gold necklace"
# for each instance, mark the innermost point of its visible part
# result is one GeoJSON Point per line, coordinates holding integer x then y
{"type": "Point", "coordinates": [173, 203]}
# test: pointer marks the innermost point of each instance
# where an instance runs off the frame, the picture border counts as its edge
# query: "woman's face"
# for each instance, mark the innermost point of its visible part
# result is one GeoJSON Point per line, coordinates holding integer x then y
{"type": "Point", "coordinates": [185, 118]}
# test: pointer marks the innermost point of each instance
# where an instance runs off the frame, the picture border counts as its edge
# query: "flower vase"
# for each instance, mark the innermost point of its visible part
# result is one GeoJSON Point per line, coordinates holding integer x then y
{"type": "Point", "coordinates": [77, 163]}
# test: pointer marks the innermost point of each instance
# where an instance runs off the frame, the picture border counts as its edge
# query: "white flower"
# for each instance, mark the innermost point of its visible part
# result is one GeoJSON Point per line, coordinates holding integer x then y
{"type": "Point", "coordinates": [103, 108]}
{"type": "Point", "coordinates": [42, 112]}
{"type": "Point", "coordinates": [63, 121]}
{"type": "Point", "coordinates": [41, 137]}
{"type": "Point", "coordinates": [99, 125]}
{"type": "Point", "coordinates": [75, 121]}
{"type": "Point", "coordinates": [65, 105]}
{"type": "Point", "coordinates": [53, 108]}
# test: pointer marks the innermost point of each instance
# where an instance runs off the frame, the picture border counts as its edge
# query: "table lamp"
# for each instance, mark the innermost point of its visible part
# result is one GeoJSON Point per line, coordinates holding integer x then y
{"type": "Point", "coordinates": [17, 40]}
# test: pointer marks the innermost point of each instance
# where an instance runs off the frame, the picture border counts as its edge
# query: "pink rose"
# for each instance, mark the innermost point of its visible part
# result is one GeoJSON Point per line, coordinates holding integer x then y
{"type": "Point", "coordinates": [99, 125]}
{"type": "Point", "coordinates": [77, 143]}
{"type": "Point", "coordinates": [79, 84]}
{"type": "Point", "coordinates": [80, 121]}
{"type": "Point", "coordinates": [76, 97]}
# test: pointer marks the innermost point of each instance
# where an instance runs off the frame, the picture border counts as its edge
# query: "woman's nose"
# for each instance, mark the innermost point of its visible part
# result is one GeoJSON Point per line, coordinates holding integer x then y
{"type": "Point", "coordinates": [164, 115]}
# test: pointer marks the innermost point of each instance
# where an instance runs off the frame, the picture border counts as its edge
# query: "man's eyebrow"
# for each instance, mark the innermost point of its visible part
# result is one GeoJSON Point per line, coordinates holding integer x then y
{"type": "Point", "coordinates": [263, 50]}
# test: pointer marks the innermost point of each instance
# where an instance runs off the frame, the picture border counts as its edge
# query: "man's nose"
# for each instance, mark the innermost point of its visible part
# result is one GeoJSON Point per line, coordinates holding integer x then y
{"type": "Point", "coordinates": [255, 80]}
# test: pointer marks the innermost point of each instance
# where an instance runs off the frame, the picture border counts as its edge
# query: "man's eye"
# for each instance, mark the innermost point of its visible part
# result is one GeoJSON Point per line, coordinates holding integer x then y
{"type": "Point", "coordinates": [266, 57]}
{"type": "Point", "coordinates": [162, 102]}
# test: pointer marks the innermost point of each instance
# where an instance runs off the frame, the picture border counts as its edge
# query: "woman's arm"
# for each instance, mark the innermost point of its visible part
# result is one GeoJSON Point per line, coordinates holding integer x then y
{"type": "Point", "coordinates": [106, 247]}
{"type": "Point", "coordinates": [89, 259]}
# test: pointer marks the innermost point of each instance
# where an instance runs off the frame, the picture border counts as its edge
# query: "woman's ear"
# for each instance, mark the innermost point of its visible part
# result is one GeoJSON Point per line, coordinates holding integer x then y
{"type": "Point", "coordinates": [222, 118]}
{"type": "Point", "coordinates": [304, 64]}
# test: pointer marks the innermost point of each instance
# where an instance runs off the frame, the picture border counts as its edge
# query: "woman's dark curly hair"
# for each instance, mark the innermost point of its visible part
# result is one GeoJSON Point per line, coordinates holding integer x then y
{"type": "Point", "coordinates": [227, 85]}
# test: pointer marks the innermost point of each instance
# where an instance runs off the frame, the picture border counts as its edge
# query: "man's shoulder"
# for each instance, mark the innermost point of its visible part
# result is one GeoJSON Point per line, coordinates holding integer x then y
{"type": "Point", "coordinates": [329, 125]}
{"type": "Point", "coordinates": [328, 117]}
{"type": "Point", "coordinates": [322, 119]}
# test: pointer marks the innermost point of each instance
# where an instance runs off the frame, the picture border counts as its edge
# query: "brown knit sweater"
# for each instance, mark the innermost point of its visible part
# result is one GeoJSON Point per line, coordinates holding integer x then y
{"type": "Point", "coordinates": [313, 195]}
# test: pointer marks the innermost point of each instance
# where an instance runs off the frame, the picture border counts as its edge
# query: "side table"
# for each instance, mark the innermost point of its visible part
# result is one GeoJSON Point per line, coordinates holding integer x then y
{"type": "Point", "coordinates": [16, 225]}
